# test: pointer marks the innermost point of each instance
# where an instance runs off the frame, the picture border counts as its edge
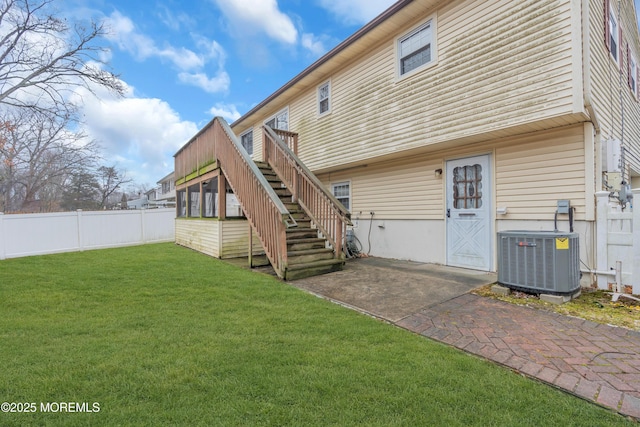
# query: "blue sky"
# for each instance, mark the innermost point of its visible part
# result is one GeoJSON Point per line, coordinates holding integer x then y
{"type": "Point", "coordinates": [185, 62]}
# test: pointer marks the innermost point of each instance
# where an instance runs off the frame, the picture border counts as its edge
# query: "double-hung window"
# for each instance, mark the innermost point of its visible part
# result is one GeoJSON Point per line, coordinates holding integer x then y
{"type": "Point", "coordinates": [416, 48]}
{"type": "Point", "coordinates": [613, 33]}
{"type": "Point", "coordinates": [324, 97]}
{"type": "Point", "coordinates": [246, 139]}
{"type": "Point", "coordinates": [342, 192]}
{"type": "Point", "coordinates": [279, 121]}
{"type": "Point", "coordinates": [633, 74]}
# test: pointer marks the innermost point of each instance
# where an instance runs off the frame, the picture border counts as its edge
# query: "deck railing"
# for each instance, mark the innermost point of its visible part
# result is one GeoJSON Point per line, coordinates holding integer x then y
{"type": "Point", "coordinates": [263, 208]}
{"type": "Point", "coordinates": [326, 212]}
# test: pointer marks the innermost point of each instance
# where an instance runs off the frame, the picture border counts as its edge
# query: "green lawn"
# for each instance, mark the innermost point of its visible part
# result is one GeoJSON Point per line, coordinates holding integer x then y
{"type": "Point", "coordinates": [161, 335]}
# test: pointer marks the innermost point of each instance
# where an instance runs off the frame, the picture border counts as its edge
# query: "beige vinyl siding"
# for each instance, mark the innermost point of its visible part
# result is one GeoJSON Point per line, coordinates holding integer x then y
{"type": "Point", "coordinates": [530, 174]}
{"type": "Point", "coordinates": [500, 64]}
{"type": "Point", "coordinates": [534, 172]}
{"type": "Point", "coordinates": [199, 234]}
{"type": "Point", "coordinates": [220, 239]}
{"type": "Point", "coordinates": [406, 189]}
{"type": "Point", "coordinates": [235, 239]}
{"type": "Point", "coordinates": [606, 81]}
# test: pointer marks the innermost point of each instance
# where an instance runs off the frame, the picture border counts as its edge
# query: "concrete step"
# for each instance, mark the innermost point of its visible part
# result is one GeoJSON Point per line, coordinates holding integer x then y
{"type": "Point", "coordinates": [309, 256]}
{"type": "Point", "coordinates": [300, 271]}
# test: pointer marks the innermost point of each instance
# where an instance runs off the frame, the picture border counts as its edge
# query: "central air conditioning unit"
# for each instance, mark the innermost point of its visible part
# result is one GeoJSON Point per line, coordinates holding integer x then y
{"type": "Point", "coordinates": [542, 262]}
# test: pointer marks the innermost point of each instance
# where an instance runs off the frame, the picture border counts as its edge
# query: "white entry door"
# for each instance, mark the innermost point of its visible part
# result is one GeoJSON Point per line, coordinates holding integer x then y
{"type": "Point", "coordinates": [468, 213]}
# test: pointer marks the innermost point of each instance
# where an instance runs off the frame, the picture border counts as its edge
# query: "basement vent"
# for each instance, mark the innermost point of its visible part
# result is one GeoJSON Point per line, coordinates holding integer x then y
{"type": "Point", "coordinates": [544, 262]}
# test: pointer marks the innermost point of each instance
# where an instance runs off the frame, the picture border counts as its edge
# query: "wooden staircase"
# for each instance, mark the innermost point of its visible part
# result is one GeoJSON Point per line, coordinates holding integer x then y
{"type": "Point", "coordinates": [308, 252]}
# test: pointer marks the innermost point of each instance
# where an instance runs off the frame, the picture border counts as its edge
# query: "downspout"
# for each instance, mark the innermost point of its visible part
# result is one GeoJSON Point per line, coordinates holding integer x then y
{"type": "Point", "coordinates": [586, 68]}
{"type": "Point", "coordinates": [586, 92]}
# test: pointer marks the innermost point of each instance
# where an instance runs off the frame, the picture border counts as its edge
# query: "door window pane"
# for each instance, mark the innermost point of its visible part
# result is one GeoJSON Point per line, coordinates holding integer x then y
{"type": "Point", "coordinates": [467, 187]}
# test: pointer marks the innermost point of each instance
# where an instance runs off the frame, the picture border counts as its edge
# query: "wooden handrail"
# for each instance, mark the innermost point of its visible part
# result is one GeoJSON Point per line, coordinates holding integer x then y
{"type": "Point", "coordinates": [327, 213]}
{"type": "Point", "coordinates": [264, 210]}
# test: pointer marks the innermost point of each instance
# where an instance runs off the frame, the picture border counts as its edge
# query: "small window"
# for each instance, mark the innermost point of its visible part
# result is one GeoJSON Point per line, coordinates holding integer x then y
{"type": "Point", "coordinates": [324, 96]}
{"type": "Point", "coordinates": [279, 121]}
{"type": "Point", "coordinates": [210, 199]}
{"type": "Point", "coordinates": [246, 139]}
{"type": "Point", "coordinates": [614, 35]}
{"type": "Point", "coordinates": [633, 74]}
{"type": "Point", "coordinates": [194, 201]}
{"type": "Point", "coordinates": [234, 208]}
{"type": "Point", "coordinates": [181, 206]}
{"type": "Point", "coordinates": [415, 49]}
{"type": "Point", "coordinates": [342, 192]}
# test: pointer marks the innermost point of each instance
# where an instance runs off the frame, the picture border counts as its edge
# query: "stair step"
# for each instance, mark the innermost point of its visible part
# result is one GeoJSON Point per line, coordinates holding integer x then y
{"type": "Point", "coordinates": [275, 184]}
{"type": "Point", "coordinates": [300, 271]}
{"type": "Point", "coordinates": [292, 207]}
{"type": "Point", "coordinates": [282, 191]}
{"type": "Point", "coordinates": [309, 256]}
{"type": "Point", "coordinates": [303, 222]}
{"type": "Point", "coordinates": [301, 233]}
{"type": "Point", "coordinates": [305, 244]}
{"type": "Point", "coordinates": [299, 214]}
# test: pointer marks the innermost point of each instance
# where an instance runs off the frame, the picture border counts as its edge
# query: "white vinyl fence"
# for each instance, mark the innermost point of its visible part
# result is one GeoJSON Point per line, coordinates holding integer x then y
{"type": "Point", "coordinates": [37, 234]}
{"type": "Point", "coordinates": [618, 243]}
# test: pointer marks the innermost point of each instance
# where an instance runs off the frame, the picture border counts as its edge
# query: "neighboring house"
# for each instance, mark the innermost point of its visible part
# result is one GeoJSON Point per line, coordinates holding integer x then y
{"type": "Point", "coordinates": [164, 195]}
{"type": "Point", "coordinates": [152, 195]}
{"type": "Point", "coordinates": [440, 123]}
{"type": "Point", "coordinates": [139, 203]}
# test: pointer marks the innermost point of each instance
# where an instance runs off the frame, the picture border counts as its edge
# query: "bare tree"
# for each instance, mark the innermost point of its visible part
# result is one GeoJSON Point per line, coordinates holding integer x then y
{"type": "Point", "coordinates": [110, 179]}
{"type": "Point", "coordinates": [38, 155]}
{"type": "Point", "coordinates": [42, 58]}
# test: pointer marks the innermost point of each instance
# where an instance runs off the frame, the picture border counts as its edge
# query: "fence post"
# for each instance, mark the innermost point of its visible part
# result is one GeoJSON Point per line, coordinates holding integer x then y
{"type": "Point", "coordinates": [3, 240]}
{"type": "Point", "coordinates": [79, 223]}
{"type": "Point", "coordinates": [635, 227]}
{"type": "Point", "coordinates": [143, 228]}
{"type": "Point", "coordinates": [602, 230]}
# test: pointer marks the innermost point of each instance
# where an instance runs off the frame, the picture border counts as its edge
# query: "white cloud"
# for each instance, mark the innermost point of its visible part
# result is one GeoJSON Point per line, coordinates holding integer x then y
{"type": "Point", "coordinates": [172, 20]}
{"type": "Point", "coordinates": [124, 34]}
{"type": "Point", "coordinates": [219, 83]}
{"type": "Point", "coordinates": [356, 12]}
{"type": "Point", "coordinates": [141, 134]}
{"type": "Point", "coordinates": [259, 16]}
{"type": "Point", "coordinates": [189, 63]}
{"type": "Point", "coordinates": [228, 112]}
{"type": "Point", "coordinates": [313, 44]}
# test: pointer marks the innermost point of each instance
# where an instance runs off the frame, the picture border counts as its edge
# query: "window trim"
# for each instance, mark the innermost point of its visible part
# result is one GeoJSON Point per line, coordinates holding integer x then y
{"type": "Point", "coordinates": [432, 21]}
{"type": "Point", "coordinates": [273, 116]}
{"type": "Point", "coordinates": [632, 72]}
{"type": "Point", "coordinates": [336, 184]}
{"type": "Point", "coordinates": [250, 130]}
{"type": "Point", "coordinates": [319, 100]}
{"type": "Point", "coordinates": [610, 14]}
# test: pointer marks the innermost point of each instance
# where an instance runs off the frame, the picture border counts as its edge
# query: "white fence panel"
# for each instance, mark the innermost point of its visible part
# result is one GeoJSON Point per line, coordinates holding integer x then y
{"type": "Point", "coordinates": [618, 239]}
{"type": "Point", "coordinates": [157, 223]}
{"type": "Point", "coordinates": [620, 243]}
{"type": "Point", "coordinates": [38, 234]}
{"type": "Point", "coordinates": [116, 228]}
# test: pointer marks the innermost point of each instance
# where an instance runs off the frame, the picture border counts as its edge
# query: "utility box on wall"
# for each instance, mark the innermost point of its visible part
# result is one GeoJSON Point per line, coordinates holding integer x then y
{"type": "Point", "coordinates": [545, 262]}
